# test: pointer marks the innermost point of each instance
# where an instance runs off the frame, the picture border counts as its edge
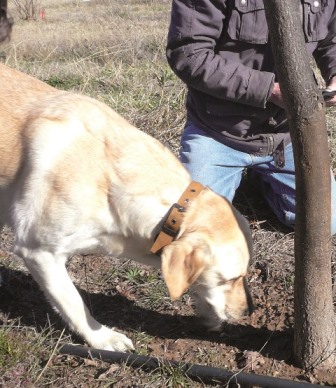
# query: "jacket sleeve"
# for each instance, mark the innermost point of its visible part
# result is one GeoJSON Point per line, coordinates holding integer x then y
{"type": "Point", "coordinates": [195, 28]}
{"type": "Point", "coordinates": [325, 53]}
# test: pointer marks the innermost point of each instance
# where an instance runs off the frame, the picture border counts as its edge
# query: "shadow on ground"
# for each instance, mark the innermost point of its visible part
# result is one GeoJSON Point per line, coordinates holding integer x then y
{"type": "Point", "coordinates": [21, 300]}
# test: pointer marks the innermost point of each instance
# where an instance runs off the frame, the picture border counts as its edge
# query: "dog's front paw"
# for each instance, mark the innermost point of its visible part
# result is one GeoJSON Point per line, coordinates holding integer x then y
{"type": "Point", "coordinates": [109, 339]}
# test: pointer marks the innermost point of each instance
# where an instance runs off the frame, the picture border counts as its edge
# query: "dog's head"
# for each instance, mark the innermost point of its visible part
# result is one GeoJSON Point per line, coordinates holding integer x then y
{"type": "Point", "coordinates": [211, 256]}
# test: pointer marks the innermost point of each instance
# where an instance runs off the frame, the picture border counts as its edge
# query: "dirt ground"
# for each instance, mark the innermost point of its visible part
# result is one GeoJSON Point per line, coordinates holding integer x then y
{"type": "Point", "coordinates": [134, 300]}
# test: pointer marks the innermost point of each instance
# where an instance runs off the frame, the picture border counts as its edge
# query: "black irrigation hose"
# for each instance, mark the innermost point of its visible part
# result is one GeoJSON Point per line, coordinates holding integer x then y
{"type": "Point", "coordinates": [201, 372]}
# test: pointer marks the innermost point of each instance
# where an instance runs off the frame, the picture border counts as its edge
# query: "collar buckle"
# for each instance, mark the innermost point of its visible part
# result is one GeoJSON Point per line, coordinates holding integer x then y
{"type": "Point", "coordinates": [172, 224]}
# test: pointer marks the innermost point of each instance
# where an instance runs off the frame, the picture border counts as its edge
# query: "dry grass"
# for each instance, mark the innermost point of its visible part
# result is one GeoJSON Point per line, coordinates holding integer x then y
{"type": "Point", "coordinates": [114, 51]}
{"type": "Point", "coordinates": [110, 50]}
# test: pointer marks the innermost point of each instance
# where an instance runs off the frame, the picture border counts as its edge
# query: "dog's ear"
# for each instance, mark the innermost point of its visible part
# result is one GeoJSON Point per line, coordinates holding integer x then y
{"type": "Point", "coordinates": [182, 263]}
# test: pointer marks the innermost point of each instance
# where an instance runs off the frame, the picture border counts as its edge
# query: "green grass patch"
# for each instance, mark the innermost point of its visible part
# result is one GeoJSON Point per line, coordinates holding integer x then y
{"type": "Point", "coordinates": [65, 83]}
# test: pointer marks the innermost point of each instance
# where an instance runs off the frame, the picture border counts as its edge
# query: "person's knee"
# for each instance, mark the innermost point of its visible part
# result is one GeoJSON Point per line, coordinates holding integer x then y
{"type": "Point", "coordinates": [281, 200]}
{"type": "Point", "coordinates": [288, 219]}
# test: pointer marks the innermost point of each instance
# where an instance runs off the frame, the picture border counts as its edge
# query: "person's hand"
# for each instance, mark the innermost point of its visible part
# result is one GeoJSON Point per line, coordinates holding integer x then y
{"type": "Point", "coordinates": [276, 96]}
{"type": "Point", "coordinates": [331, 86]}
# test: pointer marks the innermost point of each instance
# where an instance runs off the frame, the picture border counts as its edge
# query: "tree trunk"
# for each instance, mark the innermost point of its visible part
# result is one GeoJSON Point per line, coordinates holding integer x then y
{"type": "Point", "coordinates": [314, 329]}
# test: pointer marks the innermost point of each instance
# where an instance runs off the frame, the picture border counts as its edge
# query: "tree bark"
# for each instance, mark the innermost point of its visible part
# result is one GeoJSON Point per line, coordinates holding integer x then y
{"type": "Point", "coordinates": [314, 328]}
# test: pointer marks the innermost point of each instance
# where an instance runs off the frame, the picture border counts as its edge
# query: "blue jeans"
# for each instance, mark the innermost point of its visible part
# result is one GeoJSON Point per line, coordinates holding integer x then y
{"type": "Point", "coordinates": [221, 167]}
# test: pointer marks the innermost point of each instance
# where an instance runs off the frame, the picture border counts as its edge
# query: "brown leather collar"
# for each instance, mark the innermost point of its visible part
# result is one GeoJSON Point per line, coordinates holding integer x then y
{"type": "Point", "coordinates": [174, 218]}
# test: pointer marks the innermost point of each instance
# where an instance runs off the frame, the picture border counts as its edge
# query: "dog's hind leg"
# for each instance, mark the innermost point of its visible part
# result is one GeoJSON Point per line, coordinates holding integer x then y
{"type": "Point", "coordinates": [51, 274]}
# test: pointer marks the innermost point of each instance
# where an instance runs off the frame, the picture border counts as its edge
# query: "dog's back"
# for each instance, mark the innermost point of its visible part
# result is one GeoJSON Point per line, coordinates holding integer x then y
{"type": "Point", "coordinates": [60, 149]}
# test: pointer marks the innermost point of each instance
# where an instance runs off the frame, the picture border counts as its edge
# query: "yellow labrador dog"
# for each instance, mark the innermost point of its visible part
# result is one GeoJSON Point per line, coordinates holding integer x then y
{"type": "Point", "coordinates": [75, 177]}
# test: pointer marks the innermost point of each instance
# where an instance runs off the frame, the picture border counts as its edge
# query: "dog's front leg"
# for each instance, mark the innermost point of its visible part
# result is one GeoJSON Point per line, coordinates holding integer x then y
{"type": "Point", "coordinates": [50, 273]}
